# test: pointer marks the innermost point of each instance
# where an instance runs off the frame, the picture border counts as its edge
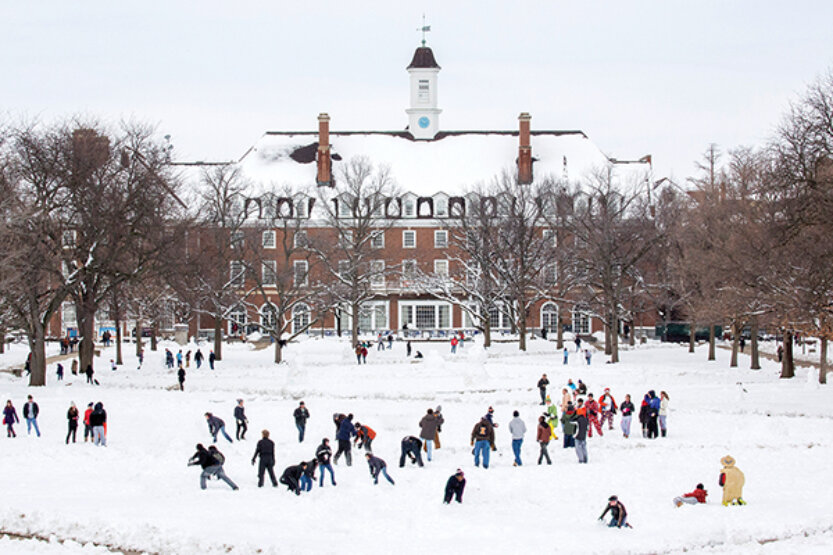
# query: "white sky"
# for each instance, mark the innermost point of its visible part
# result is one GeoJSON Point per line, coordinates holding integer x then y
{"type": "Point", "coordinates": [665, 77]}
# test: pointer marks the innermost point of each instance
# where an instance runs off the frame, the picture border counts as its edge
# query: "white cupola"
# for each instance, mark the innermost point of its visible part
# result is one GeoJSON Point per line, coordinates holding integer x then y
{"type": "Point", "coordinates": [423, 115]}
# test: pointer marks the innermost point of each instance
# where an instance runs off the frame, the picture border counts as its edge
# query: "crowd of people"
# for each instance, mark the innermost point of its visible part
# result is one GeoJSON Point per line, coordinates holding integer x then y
{"type": "Point", "coordinates": [95, 421]}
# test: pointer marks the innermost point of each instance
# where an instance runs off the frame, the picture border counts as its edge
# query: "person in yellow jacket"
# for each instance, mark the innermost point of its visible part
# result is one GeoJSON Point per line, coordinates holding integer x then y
{"type": "Point", "coordinates": [731, 480]}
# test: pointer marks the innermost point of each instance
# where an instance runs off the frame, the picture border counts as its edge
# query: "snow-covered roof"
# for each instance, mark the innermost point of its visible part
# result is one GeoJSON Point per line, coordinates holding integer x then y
{"type": "Point", "coordinates": [453, 162]}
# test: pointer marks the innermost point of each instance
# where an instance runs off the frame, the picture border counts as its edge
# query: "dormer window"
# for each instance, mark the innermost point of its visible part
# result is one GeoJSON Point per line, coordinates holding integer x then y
{"type": "Point", "coordinates": [441, 207]}
{"type": "Point", "coordinates": [301, 208]}
{"type": "Point", "coordinates": [409, 208]}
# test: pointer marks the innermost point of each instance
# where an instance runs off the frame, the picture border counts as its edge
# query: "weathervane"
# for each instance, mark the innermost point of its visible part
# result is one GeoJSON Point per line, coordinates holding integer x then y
{"type": "Point", "coordinates": [425, 28]}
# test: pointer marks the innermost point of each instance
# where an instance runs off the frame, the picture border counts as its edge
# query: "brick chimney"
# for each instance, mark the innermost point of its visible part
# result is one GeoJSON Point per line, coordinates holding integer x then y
{"type": "Point", "coordinates": [325, 171]}
{"type": "Point", "coordinates": [524, 150]}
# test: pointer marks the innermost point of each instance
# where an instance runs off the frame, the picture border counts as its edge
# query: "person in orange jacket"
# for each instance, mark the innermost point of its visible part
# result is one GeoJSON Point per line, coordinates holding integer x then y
{"type": "Point", "coordinates": [364, 436]}
{"type": "Point", "coordinates": [88, 430]}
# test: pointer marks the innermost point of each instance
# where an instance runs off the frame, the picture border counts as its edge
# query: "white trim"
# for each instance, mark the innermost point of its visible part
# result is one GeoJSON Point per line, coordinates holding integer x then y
{"type": "Point", "coordinates": [268, 233]}
{"type": "Point", "coordinates": [409, 314]}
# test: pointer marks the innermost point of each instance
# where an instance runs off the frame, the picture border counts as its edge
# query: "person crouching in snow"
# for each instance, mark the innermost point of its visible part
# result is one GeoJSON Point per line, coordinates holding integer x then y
{"type": "Point", "coordinates": [364, 437]}
{"type": "Point", "coordinates": [454, 487]}
{"type": "Point", "coordinates": [291, 477]}
{"type": "Point", "coordinates": [377, 466]}
{"type": "Point", "coordinates": [617, 512]}
{"type": "Point", "coordinates": [692, 498]}
{"type": "Point", "coordinates": [211, 466]}
{"type": "Point", "coordinates": [731, 480]}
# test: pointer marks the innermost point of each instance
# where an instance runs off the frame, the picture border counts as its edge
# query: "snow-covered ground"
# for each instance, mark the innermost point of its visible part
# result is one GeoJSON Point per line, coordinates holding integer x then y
{"type": "Point", "coordinates": [138, 493]}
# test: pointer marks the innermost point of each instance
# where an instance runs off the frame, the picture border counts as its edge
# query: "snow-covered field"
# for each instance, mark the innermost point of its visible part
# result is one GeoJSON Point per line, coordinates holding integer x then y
{"type": "Point", "coordinates": [138, 493]}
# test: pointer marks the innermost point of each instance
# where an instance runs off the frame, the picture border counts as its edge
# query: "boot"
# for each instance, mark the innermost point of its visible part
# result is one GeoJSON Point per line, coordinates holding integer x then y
{"type": "Point", "coordinates": [663, 433]}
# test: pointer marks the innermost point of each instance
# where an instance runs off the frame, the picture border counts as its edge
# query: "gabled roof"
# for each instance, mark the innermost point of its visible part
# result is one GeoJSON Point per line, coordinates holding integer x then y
{"type": "Point", "coordinates": [423, 58]}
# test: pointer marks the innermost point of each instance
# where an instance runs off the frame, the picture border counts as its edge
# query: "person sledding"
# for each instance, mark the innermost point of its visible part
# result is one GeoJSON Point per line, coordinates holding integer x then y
{"type": "Point", "coordinates": [618, 513]}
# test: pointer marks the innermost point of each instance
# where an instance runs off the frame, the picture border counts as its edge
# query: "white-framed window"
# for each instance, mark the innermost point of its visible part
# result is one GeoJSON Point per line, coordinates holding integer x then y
{"type": "Point", "coordinates": [300, 270]}
{"type": "Point", "coordinates": [409, 239]}
{"type": "Point", "coordinates": [344, 208]}
{"type": "Point", "coordinates": [238, 239]}
{"type": "Point", "coordinates": [441, 207]}
{"type": "Point", "coordinates": [300, 318]}
{"type": "Point", "coordinates": [269, 273]}
{"type": "Point", "coordinates": [377, 240]}
{"type": "Point", "coordinates": [269, 239]}
{"type": "Point", "coordinates": [236, 273]}
{"type": "Point", "coordinates": [441, 268]}
{"type": "Point", "coordinates": [549, 234]}
{"type": "Point", "coordinates": [301, 208]}
{"type": "Point", "coordinates": [377, 273]}
{"type": "Point", "coordinates": [440, 239]}
{"type": "Point", "coordinates": [425, 314]}
{"type": "Point", "coordinates": [581, 321]}
{"type": "Point", "coordinates": [498, 318]}
{"type": "Point", "coordinates": [237, 316]}
{"type": "Point", "coordinates": [549, 317]}
{"type": "Point", "coordinates": [269, 316]}
{"type": "Point", "coordinates": [68, 238]}
{"type": "Point", "coordinates": [373, 316]}
{"type": "Point", "coordinates": [409, 207]}
{"type": "Point", "coordinates": [300, 240]}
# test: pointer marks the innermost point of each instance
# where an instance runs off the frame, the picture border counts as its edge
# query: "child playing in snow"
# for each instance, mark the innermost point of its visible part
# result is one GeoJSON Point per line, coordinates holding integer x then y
{"type": "Point", "coordinates": [692, 498]}
{"type": "Point", "coordinates": [617, 512]}
{"type": "Point", "coordinates": [731, 480]}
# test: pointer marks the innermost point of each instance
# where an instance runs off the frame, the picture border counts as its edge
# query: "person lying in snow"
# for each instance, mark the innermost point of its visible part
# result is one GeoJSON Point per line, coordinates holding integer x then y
{"type": "Point", "coordinates": [692, 498]}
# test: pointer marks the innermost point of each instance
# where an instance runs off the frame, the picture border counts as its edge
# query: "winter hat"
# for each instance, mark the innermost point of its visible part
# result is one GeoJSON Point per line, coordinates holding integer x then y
{"type": "Point", "coordinates": [613, 498]}
{"type": "Point", "coordinates": [516, 413]}
{"type": "Point", "coordinates": [607, 390]}
{"type": "Point", "coordinates": [549, 400]}
{"type": "Point", "coordinates": [727, 461]}
{"type": "Point", "coordinates": [700, 486]}
{"type": "Point", "coordinates": [89, 404]}
{"type": "Point", "coordinates": [459, 473]}
{"type": "Point", "coordinates": [491, 410]}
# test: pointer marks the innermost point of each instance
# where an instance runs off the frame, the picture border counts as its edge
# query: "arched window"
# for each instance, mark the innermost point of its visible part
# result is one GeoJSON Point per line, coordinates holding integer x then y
{"type": "Point", "coordinates": [549, 317]}
{"type": "Point", "coordinates": [237, 320]}
{"type": "Point", "coordinates": [268, 316]}
{"type": "Point", "coordinates": [300, 318]}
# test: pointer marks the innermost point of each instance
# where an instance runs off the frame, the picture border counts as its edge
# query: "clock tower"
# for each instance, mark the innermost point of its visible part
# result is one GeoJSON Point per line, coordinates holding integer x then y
{"type": "Point", "coordinates": [423, 115]}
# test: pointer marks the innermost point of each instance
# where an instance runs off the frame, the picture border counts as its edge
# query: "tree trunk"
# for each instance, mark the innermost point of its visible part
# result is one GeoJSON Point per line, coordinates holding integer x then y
{"type": "Point", "coordinates": [118, 342]}
{"type": "Point", "coordinates": [278, 351]}
{"type": "Point", "coordinates": [559, 343]}
{"type": "Point", "coordinates": [692, 336]}
{"type": "Point", "coordinates": [823, 360]}
{"type": "Point", "coordinates": [614, 337]}
{"type": "Point", "coordinates": [138, 332]}
{"type": "Point", "coordinates": [218, 338]}
{"type": "Point", "coordinates": [608, 346]}
{"type": "Point", "coordinates": [37, 346]}
{"type": "Point", "coordinates": [337, 317]}
{"type": "Point", "coordinates": [354, 323]}
{"type": "Point", "coordinates": [756, 359]}
{"type": "Point", "coordinates": [86, 328]}
{"type": "Point", "coordinates": [154, 336]}
{"type": "Point", "coordinates": [787, 362]}
{"type": "Point", "coordinates": [712, 355]}
{"type": "Point", "coordinates": [632, 336]}
{"type": "Point", "coordinates": [521, 312]}
{"type": "Point", "coordinates": [2, 340]}
{"type": "Point", "coordinates": [487, 333]}
{"type": "Point", "coordinates": [733, 362]}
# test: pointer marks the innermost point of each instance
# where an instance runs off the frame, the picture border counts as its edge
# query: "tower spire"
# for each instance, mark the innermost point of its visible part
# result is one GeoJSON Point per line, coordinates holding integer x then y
{"type": "Point", "coordinates": [425, 28]}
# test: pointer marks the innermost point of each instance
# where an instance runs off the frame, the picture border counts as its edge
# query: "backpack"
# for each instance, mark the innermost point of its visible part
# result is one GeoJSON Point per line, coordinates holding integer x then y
{"type": "Point", "coordinates": [221, 460]}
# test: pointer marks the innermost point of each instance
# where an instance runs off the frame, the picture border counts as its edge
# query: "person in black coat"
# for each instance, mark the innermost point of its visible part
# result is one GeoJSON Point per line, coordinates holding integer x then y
{"type": "Point", "coordinates": [301, 415]}
{"type": "Point", "coordinates": [377, 466]}
{"type": "Point", "coordinates": [241, 420]}
{"type": "Point", "coordinates": [454, 487]}
{"type": "Point", "coordinates": [291, 477]}
{"type": "Point", "coordinates": [89, 372]}
{"type": "Point", "coordinates": [323, 455]}
{"type": "Point", "coordinates": [411, 447]}
{"type": "Point", "coordinates": [266, 451]}
{"type": "Point", "coordinates": [181, 375]}
{"type": "Point", "coordinates": [542, 388]}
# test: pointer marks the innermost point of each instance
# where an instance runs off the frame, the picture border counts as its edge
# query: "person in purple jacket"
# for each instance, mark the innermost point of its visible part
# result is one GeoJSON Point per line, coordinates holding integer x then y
{"type": "Point", "coordinates": [10, 418]}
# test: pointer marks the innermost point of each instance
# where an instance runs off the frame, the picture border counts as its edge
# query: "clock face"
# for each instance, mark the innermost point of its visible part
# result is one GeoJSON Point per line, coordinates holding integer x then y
{"type": "Point", "coordinates": [424, 122]}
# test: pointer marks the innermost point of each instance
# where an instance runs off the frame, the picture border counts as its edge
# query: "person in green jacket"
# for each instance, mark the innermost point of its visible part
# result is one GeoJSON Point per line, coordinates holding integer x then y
{"type": "Point", "coordinates": [568, 424]}
{"type": "Point", "coordinates": [552, 417]}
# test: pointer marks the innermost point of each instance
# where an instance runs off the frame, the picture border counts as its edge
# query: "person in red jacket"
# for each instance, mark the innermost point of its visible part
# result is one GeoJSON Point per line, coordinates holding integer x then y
{"type": "Point", "coordinates": [592, 416]}
{"type": "Point", "coordinates": [364, 436]}
{"type": "Point", "coordinates": [608, 406]}
{"type": "Point", "coordinates": [88, 430]}
{"type": "Point", "coordinates": [692, 498]}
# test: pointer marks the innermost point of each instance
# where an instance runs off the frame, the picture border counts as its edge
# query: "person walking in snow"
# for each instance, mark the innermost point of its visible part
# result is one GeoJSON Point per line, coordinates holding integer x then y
{"type": "Point", "coordinates": [241, 421]}
{"type": "Point", "coordinates": [408, 348]}
{"type": "Point", "coordinates": [88, 429]}
{"type": "Point", "coordinates": [60, 372]}
{"type": "Point", "coordinates": [490, 416]}
{"type": "Point", "coordinates": [653, 414]}
{"type": "Point", "coordinates": [580, 420]}
{"type": "Point", "coordinates": [198, 358]}
{"type": "Point", "coordinates": [10, 418]}
{"type": "Point", "coordinates": [626, 409]}
{"type": "Point", "coordinates": [732, 481]}
{"type": "Point", "coordinates": [98, 422]}
{"type": "Point", "coordinates": [216, 426]}
{"type": "Point", "coordinates": [265, 449]}
{"type": "Point", "coordinates": [188, 359]}
{"type": "Point", "coordinates": [542, 388]}
{"type": "Point", "coordinates": [618, 514]}
{"type": "Point", "coordinates": [179, 358]}
{"type": "Point", "coordinates": [543, 437]}
{"type": "Point", "coordinates": [663, 413]}
{"type": "Point", "coordinates": [211, 359]}
{"type": "Point", "coordinates": [482, 439]}
{"type": "Point", "coordinates": [364, 437]}
{"type": "Point", "coordinates": [552, 418]}
{"type": "Point", "coordinates": [74, 367]}
{"type": "Point", "coordinates": [454, 487]}
{"type": "Point", "coordinates": [410, 447]}
{"type": "Point", "coordinates": [568, 426]}
{"type": "Point", "coordinates": [587, 356]}
{"type": "Point", "coordinates": [72, 422]}
{"type": "Point", "coordinates": [30, 414]}
{"type": "Point", "coordinates": [692, 498]}
{"type": "Point", "coordinates": [517, 429]}
{"type": "Point", "coordinates": [645, 414]}
{"type": "Point", "coordinates": [578, 344]}
{"type": "Point", "coordinates": [454, 342]}
{"type": "Point", "coordinates": [323, 455]}
{"type": "Point", "coordinates": [566, 355]}
{"type": "Point", "coordinates": [89, 372]}
{"type": "Point", "coordinates": [428, 427]}
{"type": "Point", "coordinates": [593, 416]}
{"type": "Point", "coordinates": [607, 404]}
{"type": "Point", "coordinates": [346, 431]}
{"type": "Point", "coordinates": [566, 398]}
{"type": "Point", "coordinates": [181, 376]}
{"type": "Point", "coordinates": [380, 343]}
{"type": "Point", "coordinates": [301, 415]}
{"type": "Point", "coordinates": [377, 466]}
{"type": "Point", "coordinates": [291, 477]}
{"type": "Point", "coordinates": [212, 466]}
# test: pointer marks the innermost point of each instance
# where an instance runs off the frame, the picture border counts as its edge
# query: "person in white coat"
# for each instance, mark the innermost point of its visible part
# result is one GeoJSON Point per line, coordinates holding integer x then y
{"type": "Point", "coordinates": [517, 428]}
{"type": "Point", "coordinates": [663, 413]}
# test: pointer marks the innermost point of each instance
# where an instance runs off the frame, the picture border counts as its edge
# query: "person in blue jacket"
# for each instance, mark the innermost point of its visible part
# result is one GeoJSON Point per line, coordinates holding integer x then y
{"type": "Point", "coordinates": [653, 415]}
{"type": "Point", "coordinates": [216, 426]}
{"type": "Point", "coordinates": [346, 430]}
